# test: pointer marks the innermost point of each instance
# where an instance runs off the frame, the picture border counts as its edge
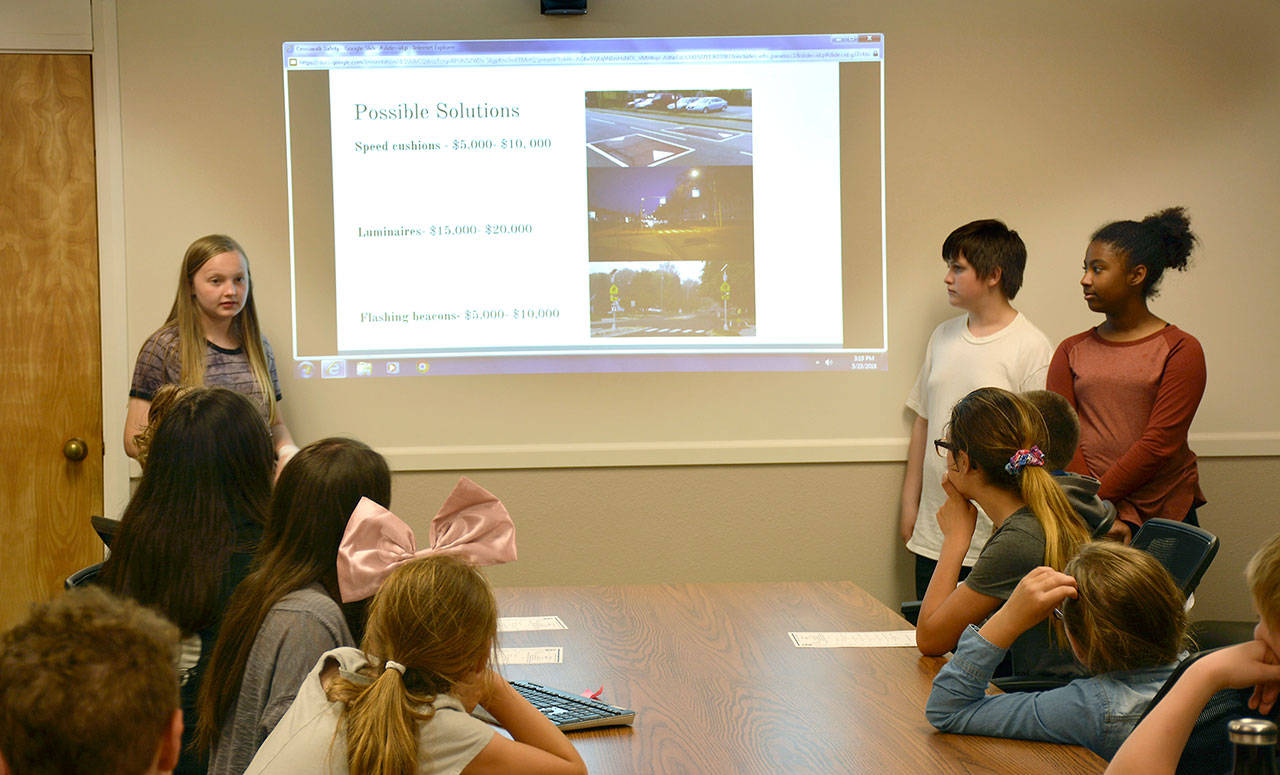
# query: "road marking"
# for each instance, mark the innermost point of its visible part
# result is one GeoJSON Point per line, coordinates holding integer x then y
{"type": "Point", "coordinates": [618, 162]}
{"type": "Point", "coordinates": [746, 153]}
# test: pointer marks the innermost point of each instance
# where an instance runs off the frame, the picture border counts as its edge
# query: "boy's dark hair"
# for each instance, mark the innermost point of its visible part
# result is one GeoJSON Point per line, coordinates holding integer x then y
{"type": "Point", "coordinates": [1063, 424]}
{"type": "Point", "coordinates": [87, 684]}
{"type": "Point", "coordinates": [989, 245]}
{"type": "Point", "coordinates": [1160, 241]}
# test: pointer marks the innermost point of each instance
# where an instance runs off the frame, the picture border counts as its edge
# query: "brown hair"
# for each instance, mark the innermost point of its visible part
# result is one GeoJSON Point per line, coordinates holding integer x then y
{"type": "Point", "coordinates": [988, 245]}
{"type": "Point", "coordinates": [310, 507]}
{"type": "Point", "coordinates": [1263, 575]}
{"type": "Point", "coordinates": [990, 425]}
{"type": "Point", "coordinates": [185, 316]}
{"type": "Point", "coordinates": [1062, 425]}
{"type": "Point", "coordinates": [87, 684]}
{"type": "Point", "coordinates": [438, 618]}
{"type": "Point", "coordinates": [164, 398]}
{"type": "Point", "coordinates": [1129, 613]}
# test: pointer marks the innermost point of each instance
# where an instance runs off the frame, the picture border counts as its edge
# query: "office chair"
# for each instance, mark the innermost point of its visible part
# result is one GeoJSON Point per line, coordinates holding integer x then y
{"type": "Point", "coordinates": [1184, 550]}
{"type": "Point", "coordinates": [83, 577]}
{"type": "Point", "coordinates": [105, 527]}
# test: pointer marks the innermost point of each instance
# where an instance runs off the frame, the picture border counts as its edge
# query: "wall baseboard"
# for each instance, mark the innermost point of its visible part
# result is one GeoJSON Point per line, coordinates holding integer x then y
{"type": "Point", "coordinates": [730, 452]}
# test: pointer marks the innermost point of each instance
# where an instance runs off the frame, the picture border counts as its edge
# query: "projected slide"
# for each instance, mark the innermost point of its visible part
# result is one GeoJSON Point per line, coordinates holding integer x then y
{"type": "Point", "coordinates": [580, 205]}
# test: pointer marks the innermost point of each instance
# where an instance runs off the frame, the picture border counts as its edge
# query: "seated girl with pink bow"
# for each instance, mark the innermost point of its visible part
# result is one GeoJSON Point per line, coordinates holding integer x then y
{"type": "Point", "coordinates": [288, 611]}
{"type": "Point", "coordinates": [402, 703]}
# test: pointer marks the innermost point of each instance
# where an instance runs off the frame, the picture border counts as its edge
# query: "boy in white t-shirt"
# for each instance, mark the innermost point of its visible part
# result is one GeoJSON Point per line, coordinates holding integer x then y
{"type": "Point", "coordinates": [992, 345]}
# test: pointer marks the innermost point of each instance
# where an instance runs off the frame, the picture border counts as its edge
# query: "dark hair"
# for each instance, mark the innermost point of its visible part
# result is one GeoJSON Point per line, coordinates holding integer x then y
{"type": "Point", "coordinates": [1062, 423]}
{"type": "Point", "coordinates": [202, 496]}
{"type": "Point", "coordinates": [989, 245]}
{"type": "Point", "coordinates": [313, 500]}
{"type": "Point", "coordinates": [86, 685]}
{"type": "Point", "coordinates": [1158, 242]}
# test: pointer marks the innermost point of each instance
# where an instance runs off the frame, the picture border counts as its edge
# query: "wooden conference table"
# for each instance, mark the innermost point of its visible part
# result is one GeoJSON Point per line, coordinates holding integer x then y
{"type": "Point", "coordinates": [719, 688]}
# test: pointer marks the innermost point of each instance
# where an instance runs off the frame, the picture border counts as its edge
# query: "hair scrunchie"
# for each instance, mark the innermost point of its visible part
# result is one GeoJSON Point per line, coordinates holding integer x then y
{"type": "Point", "coordinates": [1023, 458]}
{"type": "Point", "coordinates": [393, 665]}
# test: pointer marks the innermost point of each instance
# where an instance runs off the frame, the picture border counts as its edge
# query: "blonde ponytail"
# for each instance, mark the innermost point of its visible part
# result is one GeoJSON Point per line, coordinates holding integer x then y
{"type": "Point", "coordinates": [382, 724]}
{"type": "Point", "coordinates": [1064, 530]}
{"type": "Point", "coordinates": [437, 618]}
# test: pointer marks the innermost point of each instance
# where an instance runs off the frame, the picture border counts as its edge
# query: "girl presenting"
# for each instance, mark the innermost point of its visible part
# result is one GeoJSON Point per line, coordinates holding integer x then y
{"type": "Point", "coordinates": [211, 337]}
{"type": "Point", "coordinates": [1135, 380]}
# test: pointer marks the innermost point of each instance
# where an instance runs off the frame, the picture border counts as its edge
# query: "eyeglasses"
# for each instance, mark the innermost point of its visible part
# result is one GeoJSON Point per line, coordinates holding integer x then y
{"type": "Point", "coordinates": [942, 447]}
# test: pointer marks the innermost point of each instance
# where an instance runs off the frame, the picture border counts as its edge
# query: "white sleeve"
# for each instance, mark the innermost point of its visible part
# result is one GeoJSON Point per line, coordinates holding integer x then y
{"type": "Point", "coordinates": [918, 398]}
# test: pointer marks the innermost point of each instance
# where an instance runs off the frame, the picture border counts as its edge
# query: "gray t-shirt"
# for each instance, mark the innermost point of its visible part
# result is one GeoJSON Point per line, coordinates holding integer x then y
{"type": "Point", "coordinates": [298, 629]}
{"type": "Point", "coordinates": [159, 363]}
{"type": "Point", "coordinates": [312, 736]}
{"type": "Point", "coordinates": [1013, 551]}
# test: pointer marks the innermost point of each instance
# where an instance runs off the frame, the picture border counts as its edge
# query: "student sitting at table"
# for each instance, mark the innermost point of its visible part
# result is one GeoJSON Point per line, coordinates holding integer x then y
{"type": "Point", "coordinates": [432, 627]}
{"type": "Point", "coordinates": [1063, 425]}
{"type": "Point", "coordinates": [994, 458]}
{"type": "Point", "coordinates": [288, 611]}
{"type": "Point", "coordinates": [1125, 621]}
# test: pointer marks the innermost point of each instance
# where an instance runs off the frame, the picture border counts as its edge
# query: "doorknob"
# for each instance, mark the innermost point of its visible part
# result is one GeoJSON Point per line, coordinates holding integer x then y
{"type": "Point", "coordinates": [75, 450]}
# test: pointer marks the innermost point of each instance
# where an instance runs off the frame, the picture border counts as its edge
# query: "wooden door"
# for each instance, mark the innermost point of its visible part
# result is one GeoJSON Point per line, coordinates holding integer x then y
{"type": "Point", "coordinates": [50, 361]}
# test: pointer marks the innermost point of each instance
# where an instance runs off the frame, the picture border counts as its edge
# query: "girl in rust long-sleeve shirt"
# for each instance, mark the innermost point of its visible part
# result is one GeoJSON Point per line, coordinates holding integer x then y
{"type": "Point", "coordinates": [1135, 380]}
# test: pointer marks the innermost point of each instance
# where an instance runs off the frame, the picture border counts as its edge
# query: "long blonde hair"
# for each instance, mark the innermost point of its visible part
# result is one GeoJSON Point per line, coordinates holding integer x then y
{"type": "Point", "coordinates": [990, 425]}
{"type": "Point", "coordinates": [185, 316]}
{"type": "Point", "coordinates": [435, 616]}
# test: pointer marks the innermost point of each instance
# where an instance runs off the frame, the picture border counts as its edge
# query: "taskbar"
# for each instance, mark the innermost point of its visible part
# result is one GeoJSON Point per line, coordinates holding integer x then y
{"type": "Point", "coordinates": [362, 368]}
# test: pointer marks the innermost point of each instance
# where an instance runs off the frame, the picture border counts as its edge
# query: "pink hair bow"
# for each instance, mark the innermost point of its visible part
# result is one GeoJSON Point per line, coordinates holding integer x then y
{"type": "Point", "coordinates": [472, 524]}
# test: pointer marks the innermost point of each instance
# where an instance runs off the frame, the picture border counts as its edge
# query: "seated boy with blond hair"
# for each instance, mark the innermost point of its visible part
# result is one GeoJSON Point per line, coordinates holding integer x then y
{"type": "Point", "coordinates": [87, 685]}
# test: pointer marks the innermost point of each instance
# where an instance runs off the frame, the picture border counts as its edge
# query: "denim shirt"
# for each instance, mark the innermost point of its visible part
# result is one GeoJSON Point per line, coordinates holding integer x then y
{"type": "Point", "coordinates": [1097, 712]}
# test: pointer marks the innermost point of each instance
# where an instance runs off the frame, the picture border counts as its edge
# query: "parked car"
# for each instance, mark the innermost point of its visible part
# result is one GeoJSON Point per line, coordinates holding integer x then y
{"type": "Point", "coordinates": [706, 105]}
{"type": "Point", "coordinates": [681, 103]}
{"type": "Point", "coordinates": [661, 100]}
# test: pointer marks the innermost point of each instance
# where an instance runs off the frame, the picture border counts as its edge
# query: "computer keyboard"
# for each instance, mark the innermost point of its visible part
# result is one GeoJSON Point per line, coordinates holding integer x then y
{"type": "Point", "coordinates": [567, 711]}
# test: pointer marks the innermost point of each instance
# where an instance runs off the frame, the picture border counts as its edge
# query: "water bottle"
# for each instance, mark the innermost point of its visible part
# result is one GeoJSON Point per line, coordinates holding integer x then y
{"type": "Point", "coordinates": [1254, 741]}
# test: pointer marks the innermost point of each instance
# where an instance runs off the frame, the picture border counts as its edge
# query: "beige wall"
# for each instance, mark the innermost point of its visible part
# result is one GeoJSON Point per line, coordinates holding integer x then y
{"type": "Point", "coordinates": [1054, 116]}
{"type": "Point", "coordinates": [778, 522]}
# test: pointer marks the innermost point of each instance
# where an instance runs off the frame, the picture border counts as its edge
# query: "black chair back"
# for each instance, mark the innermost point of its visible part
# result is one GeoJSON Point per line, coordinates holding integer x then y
{"type": "Point", "coordinates": [1184, 550]}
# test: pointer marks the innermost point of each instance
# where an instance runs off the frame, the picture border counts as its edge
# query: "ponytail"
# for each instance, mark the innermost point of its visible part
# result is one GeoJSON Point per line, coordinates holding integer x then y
{"type": "Point", "coordinates": [437, 617]}
{"type": "Point", "coordinates": [1002, 434]}
{"type": "Point", "coordinates": [382, 724]}
{"type": "Point", "coordinates": [1064, 531]}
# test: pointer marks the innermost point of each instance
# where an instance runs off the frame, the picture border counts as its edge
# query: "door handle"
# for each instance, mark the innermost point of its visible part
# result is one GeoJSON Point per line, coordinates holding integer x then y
{"type": "Point", "coordinates": [75, 450]}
